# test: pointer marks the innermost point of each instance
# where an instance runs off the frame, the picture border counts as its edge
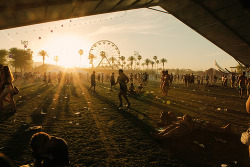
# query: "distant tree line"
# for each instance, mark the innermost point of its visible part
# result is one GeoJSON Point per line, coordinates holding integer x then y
{"type": "Point", "coordinates": [18, 58]}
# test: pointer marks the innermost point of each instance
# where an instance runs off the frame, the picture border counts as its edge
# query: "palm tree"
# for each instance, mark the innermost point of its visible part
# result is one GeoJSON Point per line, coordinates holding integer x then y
{"type": "Point", "coordinates": [56, 58]}
{"type": "Point", "coordinates": [143, 64]}
{"type": "Point", "coordinates": [112, 59]}
{"type": "Point", "coordinates": [157, 62]}
{"type": "Point", "coordinates": [43, 53]}
{"type": "Point", "coordinates": [155, 58]}
{"type": "Point", "coordinates": [128, 66]}
{"type": "Point", "coordinates": [3, 54]}
{"type": "Point", "coordinates": [80, 53]}
{"type": "Point", "coordinates": [152, 63]}
{"type": "Point", "coordinates": [163, 61]}
{"type": "Point", "coordinates": [131, 59]}
{"type": "Point", "coordinates": [91, 58]}
{"type": "Point", "coordinates": [122, 58]}
{"type": "Point", "coordinates": [147, 61]}
{"type": "Point", "coordinates": [139, 57]}
{"type": "Point", "coordinates": [123, 64]}
{"type": "Point", "coordinates": [138, 64]}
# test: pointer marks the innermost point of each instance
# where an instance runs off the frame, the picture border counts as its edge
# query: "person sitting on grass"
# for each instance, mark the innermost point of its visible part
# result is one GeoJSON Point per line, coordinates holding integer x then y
{"type": "Point", "coordinates": [167, 118]}
{"type": "Point", "coordinates": [131, 89]}
{"type": "Point", "coordinates": [49, 151]}
{"type": "Point", "coordinates": [140, 88]}
{"type": "Point", "coordinates": [185, 126]}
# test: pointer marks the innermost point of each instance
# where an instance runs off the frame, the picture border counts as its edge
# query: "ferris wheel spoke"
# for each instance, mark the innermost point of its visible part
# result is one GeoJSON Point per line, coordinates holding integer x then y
{"type": "Point", "coordinates": [110, 46]}
{"type": "Point", "coordinates": [104, 47]}
{"type": "Point", "coordinates": [113, 53]}
{"type": "Point", "coordinates": [97, 49]}
{"type": "Point", "coordinates": [111, 49]}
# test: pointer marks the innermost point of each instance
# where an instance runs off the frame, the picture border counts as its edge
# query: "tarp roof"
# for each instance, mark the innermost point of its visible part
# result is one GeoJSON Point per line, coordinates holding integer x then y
{"type": "Point", "coordinates": [226, 23]}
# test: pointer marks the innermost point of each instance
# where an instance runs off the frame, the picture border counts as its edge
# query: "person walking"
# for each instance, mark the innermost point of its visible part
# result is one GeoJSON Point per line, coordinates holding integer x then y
{"type": "Point", "coordinates": [93, 82]}
{"type": "Point", "coordinates": [122, 79]}
{"type": "Point", "coordinates": [7, 79]}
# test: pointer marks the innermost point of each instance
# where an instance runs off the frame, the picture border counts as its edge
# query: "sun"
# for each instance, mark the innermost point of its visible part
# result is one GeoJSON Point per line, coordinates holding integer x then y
{"type": "Point", "coordinates": [66, 47]}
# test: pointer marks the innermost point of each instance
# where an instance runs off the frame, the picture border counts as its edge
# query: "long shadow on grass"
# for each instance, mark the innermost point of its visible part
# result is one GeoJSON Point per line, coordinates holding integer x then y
{"type": "Point", "coordinates": [6, 115]}
{"type": "Point", "coordinates": [48, 99]}
{"type": "Point", "coordinates": [58, 110]}
{"type": "Point", "coordinates": [29, 86]}
{"type": "Point", "coordinates": [181, 106]}
{"type": "Point", "coordinates": [73, 90]}
{"type": "Point", "coordinates": [66, 110]}
{"type": "Point", "coordinates": [192, 104]}
{"type": "Point", "coordinates": [211, 92]}
{"type": "Point", "coordinates": [33, 95]}
{"type": "Point", "coordinates": [128, 116]}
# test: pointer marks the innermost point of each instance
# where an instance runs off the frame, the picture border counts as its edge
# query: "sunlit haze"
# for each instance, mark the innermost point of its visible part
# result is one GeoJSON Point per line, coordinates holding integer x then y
{"type": "Point", "coordinates": [149, 32]}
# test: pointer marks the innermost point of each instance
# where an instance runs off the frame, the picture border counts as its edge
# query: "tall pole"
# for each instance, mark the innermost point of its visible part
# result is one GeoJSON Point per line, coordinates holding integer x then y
{"type": "Point", "coordinates": [80, 53]}
{"type": "Point", "coordinates": [25, 44]}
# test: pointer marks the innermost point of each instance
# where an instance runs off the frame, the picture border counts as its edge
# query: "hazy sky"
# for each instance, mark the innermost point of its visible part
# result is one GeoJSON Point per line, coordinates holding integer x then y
{"type": "Point", "coordinates": [149, 32]}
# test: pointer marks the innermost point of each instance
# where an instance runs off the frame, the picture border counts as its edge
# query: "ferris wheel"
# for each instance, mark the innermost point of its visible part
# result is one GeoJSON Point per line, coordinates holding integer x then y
{"type": "Point", "coordinates": [104, 54]}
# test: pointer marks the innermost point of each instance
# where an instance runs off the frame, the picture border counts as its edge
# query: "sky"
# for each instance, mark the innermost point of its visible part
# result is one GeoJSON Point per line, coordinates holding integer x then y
{"type": "Point", "coordinates": [150, 33]}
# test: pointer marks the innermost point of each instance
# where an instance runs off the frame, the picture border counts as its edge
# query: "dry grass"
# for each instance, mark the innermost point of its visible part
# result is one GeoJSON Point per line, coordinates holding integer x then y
{"type": "Point", "coordinates": [103, 135]}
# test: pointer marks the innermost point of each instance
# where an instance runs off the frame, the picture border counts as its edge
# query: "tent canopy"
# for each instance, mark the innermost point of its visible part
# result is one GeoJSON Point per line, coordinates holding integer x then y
{"type": "Point", "coordinates": [226, 23]}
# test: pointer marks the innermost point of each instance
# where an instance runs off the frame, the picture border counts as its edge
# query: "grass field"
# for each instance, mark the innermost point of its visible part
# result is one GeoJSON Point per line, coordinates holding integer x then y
{"type": "Point", "coordinates": [103, 135]}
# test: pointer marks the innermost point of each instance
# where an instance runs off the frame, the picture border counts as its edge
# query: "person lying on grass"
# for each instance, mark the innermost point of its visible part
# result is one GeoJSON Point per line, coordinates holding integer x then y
{"type": "Point", "coordinates": [167, 118]}
{"type": "Point", "coordinates": [187, 125]}
{"type": "Point", "coordinates": [49, 151]}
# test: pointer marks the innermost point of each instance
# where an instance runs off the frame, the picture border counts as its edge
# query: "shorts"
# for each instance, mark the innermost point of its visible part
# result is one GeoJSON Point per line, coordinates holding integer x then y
{"type": "Point", "coordinates": [112, 83]}
{"type": "Point", "coordinates": [123, 89]}
{"type": "Point", "coordinates": [93, 84]}
{"type": "Point", "coordinates": [8, 89]}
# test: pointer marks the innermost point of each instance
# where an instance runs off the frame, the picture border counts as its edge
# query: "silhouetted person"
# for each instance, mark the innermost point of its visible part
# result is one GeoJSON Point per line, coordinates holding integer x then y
{"type": "Point", "coordinates": [122, 79]}
{"type": "Point", "coordinates": [49, 151]}
{"type": "Point", "coordinates": [7, 79]}
{"type": "Point", "coordinates": [242, 80]}
{"type": "Point", "coordinates": [92, 78]}
{"type": "Point", "coordinates": [112, 80]}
